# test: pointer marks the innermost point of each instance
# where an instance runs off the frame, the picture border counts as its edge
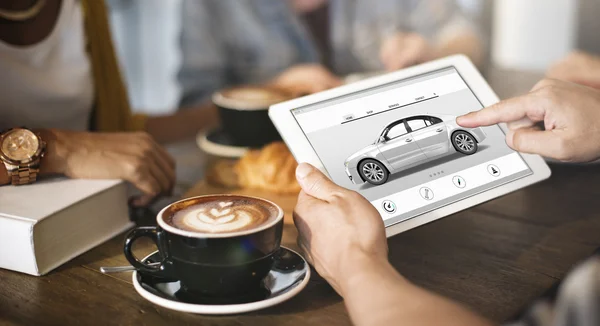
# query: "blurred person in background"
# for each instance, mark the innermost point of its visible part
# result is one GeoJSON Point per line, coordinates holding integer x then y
{"type": "Point", "coordinates": [578, 67]}
{"type": "Point", "coordinates": [228, 42]}
{"type": "Point", "coordinates": [60, 79]}
{"type": "Point", "coordinates": [367, 35]}
{"type": "Point", "coordinates": [304, 45]}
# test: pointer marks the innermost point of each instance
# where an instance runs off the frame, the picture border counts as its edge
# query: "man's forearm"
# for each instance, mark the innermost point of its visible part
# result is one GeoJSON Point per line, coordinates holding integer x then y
{"type": "Point", "coordinates": [467, 44]}
{"type": "Point", "coordinates": [377, 295]}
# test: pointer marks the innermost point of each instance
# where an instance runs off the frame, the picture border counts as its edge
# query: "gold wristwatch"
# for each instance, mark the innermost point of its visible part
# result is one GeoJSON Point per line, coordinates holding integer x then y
{"type": "Point", "coordinates": [20, 151]}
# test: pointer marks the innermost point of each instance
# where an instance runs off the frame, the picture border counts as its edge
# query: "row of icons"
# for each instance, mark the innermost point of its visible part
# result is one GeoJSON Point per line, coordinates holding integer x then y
{"type": "Point", "coordinates": [427, 194]}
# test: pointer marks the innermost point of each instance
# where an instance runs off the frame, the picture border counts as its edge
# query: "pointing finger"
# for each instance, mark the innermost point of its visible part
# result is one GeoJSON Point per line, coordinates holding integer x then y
{"type": "Point", "coordinates": [518, 108]}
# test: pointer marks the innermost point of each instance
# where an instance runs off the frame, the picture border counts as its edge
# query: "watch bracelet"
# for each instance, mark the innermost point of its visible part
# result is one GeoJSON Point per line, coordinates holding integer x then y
{"type": "Point", "coordinates": [24, 175]}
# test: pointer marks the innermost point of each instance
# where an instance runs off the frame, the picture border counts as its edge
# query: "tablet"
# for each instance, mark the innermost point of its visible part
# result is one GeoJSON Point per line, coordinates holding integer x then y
{"type": "Point", "coordinates": [394, 139]}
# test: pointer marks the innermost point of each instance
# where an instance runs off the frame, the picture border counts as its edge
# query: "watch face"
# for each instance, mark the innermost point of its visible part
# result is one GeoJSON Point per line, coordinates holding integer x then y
{"type": "Point", "coordinates": [20, 144]}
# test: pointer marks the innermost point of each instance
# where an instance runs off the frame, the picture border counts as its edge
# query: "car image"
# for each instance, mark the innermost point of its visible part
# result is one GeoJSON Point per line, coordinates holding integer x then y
{"type": "Point", "coordinates": [408, 142]}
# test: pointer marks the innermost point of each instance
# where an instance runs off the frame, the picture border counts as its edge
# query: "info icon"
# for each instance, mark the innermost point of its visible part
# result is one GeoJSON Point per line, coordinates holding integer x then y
{"type": "Point", "coordinates": [389, 206]}
{"type": "Point", "coordinates": [459, 181]}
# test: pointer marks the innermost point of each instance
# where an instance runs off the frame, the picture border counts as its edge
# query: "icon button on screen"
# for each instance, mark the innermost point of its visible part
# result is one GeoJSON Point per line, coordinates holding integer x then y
{"type": "Point", "coordinates": [426, 193]}
{"type": "Point", "coordinates": [493, 170]}
{"type": "Point", "coordinates": [459, 181]}
{"type": "Point", "coordinates": [389, 206]}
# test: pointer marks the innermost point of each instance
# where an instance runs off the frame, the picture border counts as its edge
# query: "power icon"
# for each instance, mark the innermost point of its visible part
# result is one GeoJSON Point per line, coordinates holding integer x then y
{"type": "Point", "coordinates": [389, 206]}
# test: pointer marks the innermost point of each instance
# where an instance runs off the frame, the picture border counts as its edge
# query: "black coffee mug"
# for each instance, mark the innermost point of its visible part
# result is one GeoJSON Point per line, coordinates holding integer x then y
{"type": "Point", "coordinates": [247, 121]}
{"type": "Point", "coordinates": [220, 264]}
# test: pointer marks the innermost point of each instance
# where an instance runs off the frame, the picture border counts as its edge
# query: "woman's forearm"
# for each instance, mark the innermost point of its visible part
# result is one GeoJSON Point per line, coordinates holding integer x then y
{"type": "Point", "coordinates": [4, 180]}
{"type": "Point", "coordinates": [377, 295]}
{"type": "Point", "coordinates": [182, 124]}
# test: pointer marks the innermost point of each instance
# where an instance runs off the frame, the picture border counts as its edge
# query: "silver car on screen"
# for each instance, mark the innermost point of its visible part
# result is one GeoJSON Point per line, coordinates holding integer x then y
{"type": "Point", "coordinates": [408, 142]}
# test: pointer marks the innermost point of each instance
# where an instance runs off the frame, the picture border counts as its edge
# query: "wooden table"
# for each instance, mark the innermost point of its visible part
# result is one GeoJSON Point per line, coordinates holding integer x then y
{"type": "Point", "coordinates": [494, 258]}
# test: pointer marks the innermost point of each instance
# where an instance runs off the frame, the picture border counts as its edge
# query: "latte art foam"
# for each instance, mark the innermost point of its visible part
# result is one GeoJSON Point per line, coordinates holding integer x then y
{"type": "Point", "coordinates": [223, 216]}
{"type": "Point", "coordinates": [249, 98]}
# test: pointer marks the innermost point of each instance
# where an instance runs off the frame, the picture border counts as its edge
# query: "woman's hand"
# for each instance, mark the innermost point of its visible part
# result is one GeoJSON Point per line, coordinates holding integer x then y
{"type": "Point", "coordinates": [306, 79]}
{"type": "Point", "coordinates": [134, 157]}
{"type": "Point", "coordinates": [341, 233]}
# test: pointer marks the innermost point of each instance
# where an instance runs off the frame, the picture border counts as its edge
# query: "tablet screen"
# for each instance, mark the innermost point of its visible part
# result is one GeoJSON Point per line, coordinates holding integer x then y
{"type": "Point", "coordinates": [400, 147]}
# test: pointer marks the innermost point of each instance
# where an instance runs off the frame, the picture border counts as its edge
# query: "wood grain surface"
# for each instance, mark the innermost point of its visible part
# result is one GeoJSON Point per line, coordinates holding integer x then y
{"type": "Point", "coordinates": [495, 258]}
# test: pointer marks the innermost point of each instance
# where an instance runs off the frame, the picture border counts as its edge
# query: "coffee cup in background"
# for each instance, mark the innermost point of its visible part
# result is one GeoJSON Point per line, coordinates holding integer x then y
{"type": "Point", "coordinates": [216, 245]}
{"type": "Point", "coordinates": [244, 114]}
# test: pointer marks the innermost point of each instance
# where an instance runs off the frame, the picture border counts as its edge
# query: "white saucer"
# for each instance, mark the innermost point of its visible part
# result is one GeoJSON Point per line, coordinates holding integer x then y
{"type": "Point", "coordinates": [217, 143]}
{"type": "Point", "coordinates": [287, 278]}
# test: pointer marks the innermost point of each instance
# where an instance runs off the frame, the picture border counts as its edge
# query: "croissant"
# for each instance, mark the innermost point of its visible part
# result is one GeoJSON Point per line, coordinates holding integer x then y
{"type": "Point", "coordinates": [272, 168]}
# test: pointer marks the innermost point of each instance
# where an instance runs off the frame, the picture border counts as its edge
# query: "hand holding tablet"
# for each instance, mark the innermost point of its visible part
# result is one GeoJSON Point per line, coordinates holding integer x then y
{"type": "Point", "coordinates": [395, 140]}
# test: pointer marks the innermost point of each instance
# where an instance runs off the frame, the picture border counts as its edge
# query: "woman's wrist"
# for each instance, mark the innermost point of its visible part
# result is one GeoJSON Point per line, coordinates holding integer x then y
{"type": "Point", "coordinates": [4, 179]}
{"type": "Point", "coordinates": [55, 157]}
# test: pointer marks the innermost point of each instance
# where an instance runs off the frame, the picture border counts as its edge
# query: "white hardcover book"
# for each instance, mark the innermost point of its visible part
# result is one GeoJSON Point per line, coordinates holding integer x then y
{"type": "Point", "coordinates": [48, 223]}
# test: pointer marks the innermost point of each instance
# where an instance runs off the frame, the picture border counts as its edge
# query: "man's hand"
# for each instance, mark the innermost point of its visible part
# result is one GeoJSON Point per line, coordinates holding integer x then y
{"type": "Point", "coordinates": [339, 230]}
{"type": "Point", "coordinates": [306, 79]}
{"type": "Point", "coordinates": [343, 237]}
{"type": "Point", "coordinates": [134, 157]}
{"type": "Point", "coordinates": [578, 67]}
{"type": "Point", "coordinates": [403, 50]}
{"type": "Point", "coordinates": [569, 113]}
